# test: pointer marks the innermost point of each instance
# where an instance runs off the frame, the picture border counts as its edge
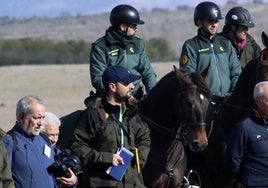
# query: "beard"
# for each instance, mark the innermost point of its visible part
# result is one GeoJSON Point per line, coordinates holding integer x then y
{"type": "Point", "coordinates": [122, 98]}
{"type": "Point", "coordinates": [31, 131]}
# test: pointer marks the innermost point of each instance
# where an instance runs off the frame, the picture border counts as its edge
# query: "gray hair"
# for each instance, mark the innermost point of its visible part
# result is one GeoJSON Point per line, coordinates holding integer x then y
{"type": "Point", "coordinates": [51, 120]}
{"type": "Point", "coordinates": [25, 103]}
{"type": "Point", "coordinates": [258, 90]}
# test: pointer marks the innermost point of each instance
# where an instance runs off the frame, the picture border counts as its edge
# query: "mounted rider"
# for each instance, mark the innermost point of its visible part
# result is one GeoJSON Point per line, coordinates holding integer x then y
{"type": "Point", "coordinates": [238, 20]}
{"type": "Point", "coordinates": [212, 55]}
{"type": "Point", "coordinates": [120, 46]}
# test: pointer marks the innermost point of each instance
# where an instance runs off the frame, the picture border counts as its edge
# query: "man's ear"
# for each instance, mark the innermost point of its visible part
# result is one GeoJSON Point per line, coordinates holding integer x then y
{"type": "Point", "coordinates": [199, 23]}
{"type": "Point", "coordinates": [21, 117]}
{"type": "Point", "coordinates": [112, 87]}
{"type": "Point", "coordinates": [123, 27]}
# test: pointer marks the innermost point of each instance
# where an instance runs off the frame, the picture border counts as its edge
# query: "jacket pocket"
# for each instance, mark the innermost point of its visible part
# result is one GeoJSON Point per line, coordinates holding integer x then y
{"type": "Point", "coordinates": [98, 182]}
{"type": "Point", "coordinates": [257, 182]}
{"type": "Point", "coordinates": [258, 144]}
{"type": "Point", "coordinates": [138, 180]}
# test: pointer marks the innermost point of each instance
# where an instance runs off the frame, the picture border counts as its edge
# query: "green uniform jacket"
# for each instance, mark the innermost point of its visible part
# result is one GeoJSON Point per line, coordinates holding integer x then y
{"type": "Point", "coordinates": [96, 142]}
{"type": "Point", "coordinates": [116, 48]}
{"type": "Point", "coordinates": [218, 56]}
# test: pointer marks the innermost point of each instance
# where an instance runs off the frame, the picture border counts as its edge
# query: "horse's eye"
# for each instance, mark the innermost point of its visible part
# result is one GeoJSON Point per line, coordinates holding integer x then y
{"type": "Point", "coordinates": [202, 97]}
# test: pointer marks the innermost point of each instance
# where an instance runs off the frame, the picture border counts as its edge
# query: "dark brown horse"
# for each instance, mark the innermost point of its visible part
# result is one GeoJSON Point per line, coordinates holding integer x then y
{"type": "Point", "coordinates": [175, 110]}
{"type": "Point", "coordinates": [210, 163]}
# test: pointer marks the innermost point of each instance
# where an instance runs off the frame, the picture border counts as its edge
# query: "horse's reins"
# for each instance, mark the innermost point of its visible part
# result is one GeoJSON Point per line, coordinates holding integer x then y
{"type": "Point", "coordinates": [170, 172]}
{"type": "Point", "coordinates": [179, 136]}
{"type": "Point", "coordinates": [153, 123]}
{"type": "Point", "coordinates": [238, 107]}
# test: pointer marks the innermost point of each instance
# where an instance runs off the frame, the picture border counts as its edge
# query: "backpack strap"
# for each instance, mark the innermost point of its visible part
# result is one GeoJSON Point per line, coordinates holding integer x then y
{"type": "Point", "coordinates": [45, 137]}
{"type": "Point", "coordinates": [102, 114]}
{"type": "Point", "coordinates": [15, 140]}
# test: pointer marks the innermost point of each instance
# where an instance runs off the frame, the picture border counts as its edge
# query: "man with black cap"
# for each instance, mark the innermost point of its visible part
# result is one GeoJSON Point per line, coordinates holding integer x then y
{"type": "Point", "coordinates": [108, 125]}
{"type": "Point", "coordinates": [120, 46]}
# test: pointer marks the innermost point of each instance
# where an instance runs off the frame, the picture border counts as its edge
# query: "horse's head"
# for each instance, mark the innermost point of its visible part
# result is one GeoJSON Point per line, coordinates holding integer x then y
{"type": "Point", "coordinates": [194, 97]}
{"type": "Point", "coordinates": [263, 60]}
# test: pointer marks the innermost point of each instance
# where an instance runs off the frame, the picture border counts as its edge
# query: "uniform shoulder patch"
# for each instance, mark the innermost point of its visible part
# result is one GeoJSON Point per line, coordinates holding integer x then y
{"type": "Point", "coordinates": [184, 59]}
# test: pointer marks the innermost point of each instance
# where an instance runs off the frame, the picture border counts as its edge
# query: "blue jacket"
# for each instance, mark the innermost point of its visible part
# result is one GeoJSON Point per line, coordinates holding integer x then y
{"type": "Point", "coordinates": [30, 160]}
{"type": "Point", "coordinates": [247, 154]}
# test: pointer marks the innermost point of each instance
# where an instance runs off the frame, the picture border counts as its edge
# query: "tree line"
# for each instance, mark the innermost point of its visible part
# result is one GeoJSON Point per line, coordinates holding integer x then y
{"type": "Point", "coordinates": [29, 51]}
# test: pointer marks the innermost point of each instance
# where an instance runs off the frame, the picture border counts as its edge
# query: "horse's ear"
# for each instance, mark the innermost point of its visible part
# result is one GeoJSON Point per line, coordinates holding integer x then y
{"type": "Point", "coordinates": [264, 53]}
{"type": "Point", "coordinates": [180, 76]}
{"type": "Point", "coordinates": [264, 39]}
{"type": "Point", "coordinates": [264, 57]}
{"type": "Point", "coordinates": [204, 73]}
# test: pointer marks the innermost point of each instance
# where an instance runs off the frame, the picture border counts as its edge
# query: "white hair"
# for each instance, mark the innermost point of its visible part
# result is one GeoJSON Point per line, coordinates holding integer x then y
{"type": "Point", "coordinates": [258, 90]}
{"type": "Point", "coordinates": [51, 120]}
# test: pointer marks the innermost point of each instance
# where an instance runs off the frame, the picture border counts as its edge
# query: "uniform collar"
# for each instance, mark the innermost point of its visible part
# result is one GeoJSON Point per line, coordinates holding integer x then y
{"type": "Point", "coordinates": [114, 35]}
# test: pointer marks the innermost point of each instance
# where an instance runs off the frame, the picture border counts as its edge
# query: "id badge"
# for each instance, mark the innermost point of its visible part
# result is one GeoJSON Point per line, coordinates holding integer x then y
{"type": "Point", "coordinates": [47, 151]}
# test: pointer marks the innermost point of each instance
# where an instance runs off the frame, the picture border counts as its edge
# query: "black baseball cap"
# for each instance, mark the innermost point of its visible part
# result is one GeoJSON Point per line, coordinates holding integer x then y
{"type": "Point", "coordinates": [116, 73]}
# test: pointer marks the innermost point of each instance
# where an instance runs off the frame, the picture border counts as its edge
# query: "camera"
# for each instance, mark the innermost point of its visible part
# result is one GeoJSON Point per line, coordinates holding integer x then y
{"type": "Point", "coordinates": [63, 161]}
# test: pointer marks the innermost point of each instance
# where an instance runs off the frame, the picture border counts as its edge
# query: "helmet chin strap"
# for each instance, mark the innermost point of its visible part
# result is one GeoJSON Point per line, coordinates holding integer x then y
{"type": "Point", "coordinates": [127, 29]}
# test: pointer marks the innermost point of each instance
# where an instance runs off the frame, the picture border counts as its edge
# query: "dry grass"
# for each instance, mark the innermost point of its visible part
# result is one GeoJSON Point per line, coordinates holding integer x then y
{"type": "Point", "coordinates": [62, 87]}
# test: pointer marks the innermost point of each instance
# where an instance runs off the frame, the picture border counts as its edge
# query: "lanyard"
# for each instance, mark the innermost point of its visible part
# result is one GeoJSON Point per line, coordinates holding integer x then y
{"type": "Point", "coordinates": [121, 112]}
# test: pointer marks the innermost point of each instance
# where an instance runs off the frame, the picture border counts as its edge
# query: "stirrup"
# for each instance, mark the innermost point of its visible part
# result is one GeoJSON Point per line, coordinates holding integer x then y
{"type": "Point", "coordinates": [188, 181]}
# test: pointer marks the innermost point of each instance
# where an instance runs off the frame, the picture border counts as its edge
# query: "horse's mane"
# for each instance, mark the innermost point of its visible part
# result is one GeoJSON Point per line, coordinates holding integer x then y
{"type": "Point", "coordinates": [169, 84]}
{"type": "Point", "coordinates": [202, 87]}
{"type": "Point", "coordinates": [167, 80]}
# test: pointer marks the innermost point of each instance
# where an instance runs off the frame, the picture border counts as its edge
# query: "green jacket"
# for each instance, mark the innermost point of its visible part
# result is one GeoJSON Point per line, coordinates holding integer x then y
{"type": "Point", "coordinates": [116, 48]}
{"type": "Point", "coordinates": [249, 52]}
{"type": "Point", "coordinates": [96, 141]}
{"type": "Point", "coordinates": [215, 58]}
{"type": "Point", "coordinates": [6, 180]}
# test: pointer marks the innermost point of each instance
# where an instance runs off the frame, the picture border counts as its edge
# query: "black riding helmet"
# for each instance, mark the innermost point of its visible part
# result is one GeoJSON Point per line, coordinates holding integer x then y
{"type": "Point", "coordinates": [239, 16]}
{"type": "Point", "coordinates": [124, 14]}
{"type": "Point", "coordinates": [207, 10]}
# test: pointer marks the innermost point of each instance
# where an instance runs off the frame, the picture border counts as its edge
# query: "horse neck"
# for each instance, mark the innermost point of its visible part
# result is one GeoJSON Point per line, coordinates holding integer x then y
{"type": "Point", "coordinates": [169, 143]}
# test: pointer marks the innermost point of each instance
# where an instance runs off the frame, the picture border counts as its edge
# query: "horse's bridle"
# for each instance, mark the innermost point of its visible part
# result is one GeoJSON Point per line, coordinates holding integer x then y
{"type": "Point", "coordinates": [179, 135]}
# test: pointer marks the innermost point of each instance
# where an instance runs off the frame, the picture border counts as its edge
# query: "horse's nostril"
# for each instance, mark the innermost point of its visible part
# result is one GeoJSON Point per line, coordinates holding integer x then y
{"type": "Point", "coordinates": [196, 145]}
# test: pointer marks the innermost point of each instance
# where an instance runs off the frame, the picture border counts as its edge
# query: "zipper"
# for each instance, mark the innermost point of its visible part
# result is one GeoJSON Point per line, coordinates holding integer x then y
{"type": "Point", "coordinates": [216, 68]}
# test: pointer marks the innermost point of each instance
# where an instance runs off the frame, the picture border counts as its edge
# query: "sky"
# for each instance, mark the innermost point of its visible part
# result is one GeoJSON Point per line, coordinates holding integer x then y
{"type": "Point", "coordinates": [56, 8]}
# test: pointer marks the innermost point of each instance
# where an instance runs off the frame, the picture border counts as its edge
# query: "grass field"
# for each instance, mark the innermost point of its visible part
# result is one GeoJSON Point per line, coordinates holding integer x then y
{"type": "Point", "coordinates": [62, 87]}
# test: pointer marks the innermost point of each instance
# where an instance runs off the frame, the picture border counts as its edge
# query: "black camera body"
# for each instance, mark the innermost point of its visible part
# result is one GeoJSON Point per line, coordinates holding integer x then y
{"type": "Point", "coordinates": [63, 161]}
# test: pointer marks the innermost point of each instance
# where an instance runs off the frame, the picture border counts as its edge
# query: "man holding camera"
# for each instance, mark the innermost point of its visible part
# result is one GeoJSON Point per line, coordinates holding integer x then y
{"type": "Point", "coordinates": [30, 153]}
{"type": "Point", "coordinates": [51, 128]}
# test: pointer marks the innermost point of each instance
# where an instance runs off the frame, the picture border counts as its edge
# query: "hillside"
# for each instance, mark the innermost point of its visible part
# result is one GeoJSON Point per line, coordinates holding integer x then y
{"type": "Point", "coordinates": [62, 87]}
{"type": "Point", "coordinates": [175, 26]}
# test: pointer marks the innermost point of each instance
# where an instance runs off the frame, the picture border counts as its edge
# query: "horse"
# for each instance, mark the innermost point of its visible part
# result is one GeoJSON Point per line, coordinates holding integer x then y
{"type": "Point", "coordinates": [210, 163]}
{"type": "Point", "coordinates": [175, 111]}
